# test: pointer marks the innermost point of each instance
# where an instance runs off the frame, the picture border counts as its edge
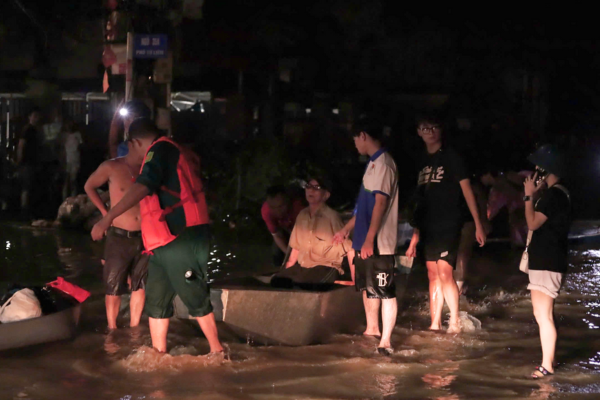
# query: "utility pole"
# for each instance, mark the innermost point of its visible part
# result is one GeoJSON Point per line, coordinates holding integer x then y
{"type": "Point", "coordinates": [129, 70]}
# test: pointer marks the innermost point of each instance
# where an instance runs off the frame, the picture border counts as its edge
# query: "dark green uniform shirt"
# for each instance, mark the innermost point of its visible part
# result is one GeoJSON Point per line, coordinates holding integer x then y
{"type": "Point", "coordinates": [160, 169]}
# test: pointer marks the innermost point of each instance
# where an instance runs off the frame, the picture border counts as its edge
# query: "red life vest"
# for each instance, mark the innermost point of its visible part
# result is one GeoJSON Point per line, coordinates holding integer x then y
{"type": "Point", "coordinates": [155, 231]}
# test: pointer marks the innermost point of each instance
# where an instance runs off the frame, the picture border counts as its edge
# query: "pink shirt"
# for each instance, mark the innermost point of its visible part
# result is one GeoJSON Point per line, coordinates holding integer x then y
{"type": "Point", "coordinates": [287, 222]}
{"type": "Point", "coordinates": [505, 194]}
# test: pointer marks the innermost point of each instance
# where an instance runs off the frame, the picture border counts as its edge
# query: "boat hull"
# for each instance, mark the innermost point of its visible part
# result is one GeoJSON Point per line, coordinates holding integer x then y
{"type": "Point", "coordinates": [260, 314]}
{"type": "Point", "coordinates": [48, 328]}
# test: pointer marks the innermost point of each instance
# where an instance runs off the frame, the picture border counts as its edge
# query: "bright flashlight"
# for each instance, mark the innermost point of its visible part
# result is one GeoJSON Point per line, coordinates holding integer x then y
{"type": "Point", "coordinates": [123, 111]}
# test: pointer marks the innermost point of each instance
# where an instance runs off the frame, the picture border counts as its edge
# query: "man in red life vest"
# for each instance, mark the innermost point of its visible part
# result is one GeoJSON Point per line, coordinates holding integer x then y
{"type": "Point", "coordinates": [174, 229]}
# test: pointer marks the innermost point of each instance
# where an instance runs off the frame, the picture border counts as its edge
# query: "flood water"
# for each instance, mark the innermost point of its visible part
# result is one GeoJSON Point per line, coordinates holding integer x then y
{"type": "Point", "coordinates": [490, 363]}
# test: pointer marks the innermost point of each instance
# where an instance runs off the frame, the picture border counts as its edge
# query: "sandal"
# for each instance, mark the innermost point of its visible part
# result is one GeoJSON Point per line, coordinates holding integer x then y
{"type": "Point", "coordinates": [540, 372]}
{"type": "Point", "coordinates": [385, 351]}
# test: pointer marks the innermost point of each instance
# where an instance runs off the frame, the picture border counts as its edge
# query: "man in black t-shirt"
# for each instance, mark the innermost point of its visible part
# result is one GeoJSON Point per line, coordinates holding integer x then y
{"type": "Point", "coordinates": [27, 158]}
{"type": "Point", "coordinates": [443, 180]}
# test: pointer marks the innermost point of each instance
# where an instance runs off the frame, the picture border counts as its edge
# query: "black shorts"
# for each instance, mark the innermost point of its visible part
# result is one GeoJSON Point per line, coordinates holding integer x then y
{"type": "Point", "coordinates": [441, 246]}
{"type": "Point", "coordinates": [27, 177]}
{"type": "Point", "coordinates": [376, 276]}
{"type": "Point", "coordinates": [123, 257]}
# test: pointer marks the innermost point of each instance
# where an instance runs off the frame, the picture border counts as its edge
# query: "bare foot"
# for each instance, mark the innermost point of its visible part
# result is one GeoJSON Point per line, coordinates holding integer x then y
{"type": "Point", "coordinates": [460, 284]}
{"type": "Point", "coordinates": [435, 327]}
{"type": "Point", "coordinates": [375, 334]}
{"type": "Point", "coordinates": [454, 328]}
{"type": "Point", "coordinates": [217, 350]}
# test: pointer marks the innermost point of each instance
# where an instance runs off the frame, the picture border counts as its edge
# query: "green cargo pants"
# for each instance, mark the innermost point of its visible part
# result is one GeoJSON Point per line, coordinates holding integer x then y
{"type": "Point", "coordinates": [166, 275]}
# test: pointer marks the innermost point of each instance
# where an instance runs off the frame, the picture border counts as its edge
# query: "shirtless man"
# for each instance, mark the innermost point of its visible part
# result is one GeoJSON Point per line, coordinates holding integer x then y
{"type": "Point", "coordinates": [123, 248]}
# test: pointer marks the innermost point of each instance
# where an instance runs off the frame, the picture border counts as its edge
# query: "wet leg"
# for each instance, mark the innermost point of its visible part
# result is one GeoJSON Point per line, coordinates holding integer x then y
{"type": "Point", "coordinates": [66, 188]}
{"type": "Point", "coordinates": [389, 311]}
{"type": "Point", "coordinates": [73, 182]}
{"type": "Point", "coordinates": [351, 254]}
{"type": "Point", "coordinates": [209, 328]}
{"type": "Point", "coordinates": [450, 294]}
{"type": "Point", "coordinates": [113, 305]}
{"type": "Point", "coordinates": [136, 306]}
{"type": "Point", "coordinates": [25, 201]}
{"type": "Point", "coordinates": [543, 309]}
{"type": "Point", "coordinates": [465, 251]}
{"type": "Point", "coordinates": [436, 296]}
{"type": "Point", "coordinates": [372, 313]}
{"type": "Point", "coordinates": [158, 331]}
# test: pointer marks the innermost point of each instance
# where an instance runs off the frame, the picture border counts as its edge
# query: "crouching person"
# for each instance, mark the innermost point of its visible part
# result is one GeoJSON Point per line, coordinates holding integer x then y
{"type": "Point", "coordinates": [174, 229]}
{"type": "Point", "coordinates": [314, 259]}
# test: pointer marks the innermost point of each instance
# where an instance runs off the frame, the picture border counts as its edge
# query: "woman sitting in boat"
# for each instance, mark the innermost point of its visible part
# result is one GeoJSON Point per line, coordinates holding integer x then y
{"type": "Point", "coordinates": [314, 260]}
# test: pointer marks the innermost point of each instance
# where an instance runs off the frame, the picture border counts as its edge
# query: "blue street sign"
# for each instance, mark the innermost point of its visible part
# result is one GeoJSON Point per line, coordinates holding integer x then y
{"type": "Point", "coordinates": [150, 46]}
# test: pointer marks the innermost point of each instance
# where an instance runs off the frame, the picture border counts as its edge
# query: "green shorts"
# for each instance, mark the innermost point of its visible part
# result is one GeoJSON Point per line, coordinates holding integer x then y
{"type": "Point", "coordinates": [166, 275]}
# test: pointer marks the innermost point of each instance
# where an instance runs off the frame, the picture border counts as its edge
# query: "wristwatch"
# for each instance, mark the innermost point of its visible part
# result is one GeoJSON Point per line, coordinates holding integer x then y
{"type": "Point", "coordinates": [526, 198]}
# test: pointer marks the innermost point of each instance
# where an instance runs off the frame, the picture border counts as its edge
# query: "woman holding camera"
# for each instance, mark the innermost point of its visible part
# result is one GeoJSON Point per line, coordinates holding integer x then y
{"type": "Point", "coordinates": [548, 214]}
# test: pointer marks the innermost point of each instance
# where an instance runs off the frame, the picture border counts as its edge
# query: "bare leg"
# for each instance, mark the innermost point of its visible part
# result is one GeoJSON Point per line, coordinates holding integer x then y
{"type": "Point", "coordinates": [436, 296]}
{"type": "Point", "coordinates": [372, 313]}
{"type": "Point", "coordinates": [136, 306]}
{"type": "Point", "coordinates": [543, 309]}
{"type": "Point", "coordinates": [158, 331]}
{"type": "Point", "coordinates": [113, 304]}
{"type": "Point", "coordinates": [450, 294]}
{"type": "Point", "coordinates": [389, 311]}
{"type": "Point", "coordinates": [209, 328]}
{"type": "Point", "coordinates": [465, 251]}
{"type": "Point", "coordinates": [73, 183]}
{"type": "Point", "coordinates": [65, 191]}
{"type": "Point", "coordinates": [351, 254]}
{"type": "Point", "coordinates": [25, 200]}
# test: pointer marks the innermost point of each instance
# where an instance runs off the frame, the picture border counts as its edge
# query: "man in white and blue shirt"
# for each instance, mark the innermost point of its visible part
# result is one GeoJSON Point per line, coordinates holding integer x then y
{"type": "Point", "coordinates": [375, 225]}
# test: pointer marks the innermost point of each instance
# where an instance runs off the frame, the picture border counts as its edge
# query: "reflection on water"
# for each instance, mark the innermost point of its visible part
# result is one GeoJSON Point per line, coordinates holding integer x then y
{"type": "Point", "coordinates": [386, 384]}
{"type": "Point", "coordinates": [488, 363]}
{"type": "Point", "coordinates": [443, 377]}
{"type": "Point", "coordinates": [544, 391]}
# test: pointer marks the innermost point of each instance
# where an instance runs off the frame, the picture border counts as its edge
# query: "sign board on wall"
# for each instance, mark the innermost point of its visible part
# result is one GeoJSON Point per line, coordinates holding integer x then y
{"type": "Point", "coordinates": [150, 46]}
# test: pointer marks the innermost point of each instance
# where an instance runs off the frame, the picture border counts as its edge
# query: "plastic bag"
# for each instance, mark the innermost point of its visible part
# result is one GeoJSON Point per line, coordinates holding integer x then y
{"type": "Point", "coordinates": [22, 305]}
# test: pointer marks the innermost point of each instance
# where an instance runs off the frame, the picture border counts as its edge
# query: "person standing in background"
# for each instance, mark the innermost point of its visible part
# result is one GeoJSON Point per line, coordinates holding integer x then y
{"type": "Point", "coordinates": [28, 145]}
{"type": "Point", "coordinates": [72, 142]}
{"type": "Point", "coordinates": [124, 115]}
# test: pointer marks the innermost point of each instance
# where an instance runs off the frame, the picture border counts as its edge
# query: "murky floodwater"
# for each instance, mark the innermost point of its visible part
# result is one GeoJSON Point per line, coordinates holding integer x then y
{"type": "Point", "coordinates": [491, 363]}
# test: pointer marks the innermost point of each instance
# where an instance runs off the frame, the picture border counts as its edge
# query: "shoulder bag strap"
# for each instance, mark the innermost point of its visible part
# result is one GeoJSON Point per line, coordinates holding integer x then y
{"type": "Point", "coordinates": [564, 190]}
